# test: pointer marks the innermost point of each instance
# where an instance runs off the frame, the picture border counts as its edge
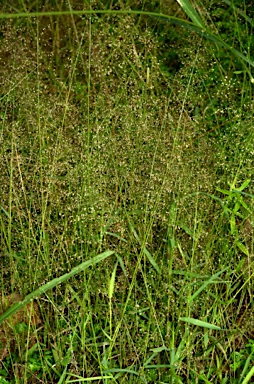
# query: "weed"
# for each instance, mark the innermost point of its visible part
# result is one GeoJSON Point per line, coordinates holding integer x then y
{"type": "Point", "coordinates": [126, 128]}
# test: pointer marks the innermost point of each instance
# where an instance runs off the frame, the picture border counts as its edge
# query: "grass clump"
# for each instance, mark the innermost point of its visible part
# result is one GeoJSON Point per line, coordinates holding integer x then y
{"type": "Point", "coordinates": [124, 133]}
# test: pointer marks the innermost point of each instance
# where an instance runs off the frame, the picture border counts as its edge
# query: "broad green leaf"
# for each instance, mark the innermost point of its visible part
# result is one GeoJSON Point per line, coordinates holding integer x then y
{"type": "Point", "coordinates": [200, 323]}
{"type": "Point", "coordinates": [53, 283]}
{"type": "Point", "coordinates": [191, 12]}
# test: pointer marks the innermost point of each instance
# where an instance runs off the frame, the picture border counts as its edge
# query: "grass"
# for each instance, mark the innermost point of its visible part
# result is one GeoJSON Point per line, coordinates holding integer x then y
{"type": "Point", "coordinates": [125, 136]}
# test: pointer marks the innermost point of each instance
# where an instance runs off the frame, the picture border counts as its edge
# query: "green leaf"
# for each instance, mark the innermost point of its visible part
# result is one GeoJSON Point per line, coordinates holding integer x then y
{"type": "Point", "coordinates": [191, 12]}
{"type": "Point", "coordinates": [53, 283]}
{"type": "Point", "coordinates": [248, 376]}
{"type": "Point", "coordinates": [200, 323]}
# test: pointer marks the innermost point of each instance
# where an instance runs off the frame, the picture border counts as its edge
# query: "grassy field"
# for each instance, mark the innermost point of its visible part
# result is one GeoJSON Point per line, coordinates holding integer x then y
{"type": "Point", "coordinates": [126, 199]}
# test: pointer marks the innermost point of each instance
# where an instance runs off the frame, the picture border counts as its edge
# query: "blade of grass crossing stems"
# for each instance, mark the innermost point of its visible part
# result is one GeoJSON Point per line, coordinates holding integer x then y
{"type": "Point", "coordinates": [191, 12]}
{"type": "Point", "coordinates": [183, 23]}
{"type": "Point", "coordinates": [53, 283]}
{"type": "Point", "coordinates": [200, 323]}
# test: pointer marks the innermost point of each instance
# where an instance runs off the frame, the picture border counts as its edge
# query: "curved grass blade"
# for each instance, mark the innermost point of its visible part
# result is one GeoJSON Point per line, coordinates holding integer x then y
{"type": "Point", "coordinates": [53, 283]}
{"type": "Point", "coordinates": [174, 20]}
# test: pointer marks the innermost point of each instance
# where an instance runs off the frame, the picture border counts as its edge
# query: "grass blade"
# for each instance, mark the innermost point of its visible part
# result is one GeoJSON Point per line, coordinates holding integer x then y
{"type": "Point", "coordinates": [112, 282]}
{"type": "Point", "coordinates": [146, 252]}
{"type": "Point", "coordinates": [7, 214]}
{"type": "Point", "coordinates": [191, 12]}
{"type": "Point", "coordinates": [206, 283]}
{"type": "Point", "coordinates": [124, 370]}
{"type": "Point", "coordinates": [53, 283]}
{"type": "Point", "coordinates": [200, 323]}
{"type": "Point", "coordinates": [89, 379]}
{"type": "Point", "coordinates": [249, 376]}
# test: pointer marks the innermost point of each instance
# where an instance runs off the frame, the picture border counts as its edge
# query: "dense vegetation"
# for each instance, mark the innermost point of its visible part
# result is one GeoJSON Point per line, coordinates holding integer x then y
{"type": "Point", "coordinates": [133, 134]}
